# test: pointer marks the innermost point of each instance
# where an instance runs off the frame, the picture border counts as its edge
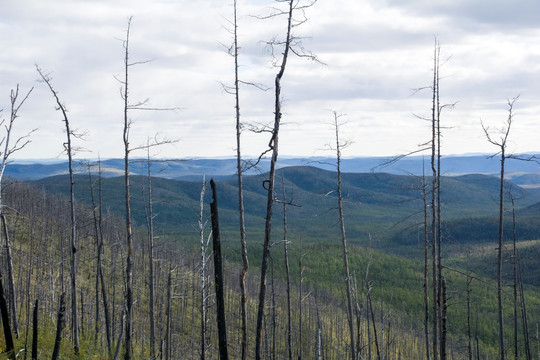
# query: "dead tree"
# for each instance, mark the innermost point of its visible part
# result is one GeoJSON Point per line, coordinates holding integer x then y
{"type": "Point", "coordinates": [9, 149]}
{"type": "Point", "coordinates": [128, 350]}
{"type": "Point", "coordinates": [245, 262]}
{"type": "Point", "coordinates": [273, 147]}
{"type": "Point", "coordinates": [129, 231]}
{"type": "Point", "coordinates": [202, 271]}
{"type": "Point", "coordinates": [339, 146]}
{"type": "Point", "coordinates": [150, 226]}
{"type": "Point", "coordinates": [5, 321]}
{"type": "Point", "coordinates": [98, 229]}
{"type": "Point", "coordinates": [218, 269]}
{"type": "Point", "coordinates": [426, 263]}
{"type": "Point", "coordinates": [69, 149]}
{"type": "Point", "coordinates": [501, 144]}
{"type": "Point", "coordinates": [60, 322]}
{"type": "Point", "coordinates": [168, 322]}
{"type": "Point", "coordinates": [287, 273]}
{"type": "Point", "coordinates": [434, 243]}
{"type": "Point", "coordinates": [35, 331]}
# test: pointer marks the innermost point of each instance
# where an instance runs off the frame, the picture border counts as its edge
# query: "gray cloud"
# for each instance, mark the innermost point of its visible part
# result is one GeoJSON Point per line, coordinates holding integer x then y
{"type": "Point", "coordinates": [376, 54]}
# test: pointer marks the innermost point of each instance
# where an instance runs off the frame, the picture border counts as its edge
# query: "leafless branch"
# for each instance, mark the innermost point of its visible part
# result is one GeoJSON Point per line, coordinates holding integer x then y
{"type": "Point", "coordinates": [395, 159]}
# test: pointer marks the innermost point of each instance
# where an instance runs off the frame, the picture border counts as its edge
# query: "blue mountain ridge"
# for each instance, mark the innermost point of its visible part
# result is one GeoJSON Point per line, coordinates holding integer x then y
{"type": "Point", "coordinates": [525, 173]}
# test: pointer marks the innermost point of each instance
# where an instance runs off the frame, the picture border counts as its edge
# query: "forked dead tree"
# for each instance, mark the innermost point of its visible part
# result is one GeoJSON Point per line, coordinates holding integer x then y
{"type": "Point", "coordinates": [9, 149]}
{"type": "Point", "coordinates": [233, 50]}
{"type": "Point", "coordinates": [340, 144]}
{"type": "Point", "coordinates": [501, 143]}
{"type": "Point", "coordinates": [288, 45]}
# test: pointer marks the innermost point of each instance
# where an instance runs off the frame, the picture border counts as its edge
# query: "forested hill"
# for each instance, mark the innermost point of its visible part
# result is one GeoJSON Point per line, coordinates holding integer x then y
{"type": "Point", "coordinates": [383, 217]}
{"type": "Point", "coordinates": [523, 172]}
{"type": "Point", "coordinates": [379, 204]}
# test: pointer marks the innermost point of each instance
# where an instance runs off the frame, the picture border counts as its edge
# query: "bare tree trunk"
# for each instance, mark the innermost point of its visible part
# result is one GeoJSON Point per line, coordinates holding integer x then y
{"type": "Point", "coordinates": [300, 307]}
{"type": "Point", "coordinates": [287, 274]}
{"type": "Point", "coordinates": [129, 231]}
{"type": "Point", "coordinates": [500, 260]}
{"type": "Point", "coordinates": [443, 320]}
{"type": "Point", "coordinates": [35, 332]}
{"type": "Point", "coordinates": [439, 225]}
{"type": "Point", "coordinates": [274, 306]}
{"type": "Point", "coordinates": [501, 144]}
{"type": "Point", "coordinates": [515, 285]}
{"type": "Point", "coordinates": [218, 268]}
{"type": "Point", "coordinates": [526, 336]}
{"type": "Point", "coordinates": [469, 338]}
{"type": "Point", "coordinates": [245, 262]}
{"type": "Point", "coordinates": [202, 273]}
{"type": "Point", "coordinates": [274, 145]}
{"type": "Point", "coordinates": [339, 146]}
{"type": "Point", "coordinates": [98, 229]}
{"type": "Point", "coordinates": [426, 265]}
{"type": "Point", "coordinates": [119, 342]}
{"type": "Point", "coordinates": [436, 292]}
{"type": "Point", "coordinates": [12, 301]}
{"type": "Point", "coordinates": [73, 238]}
{"type": "Point", "coordinates": [9, 149]}
{"type": "Point", "coordinates": [370, 304]}
{"type": "Point", "coordinates": [151, 261]}
{"type": "Point", "coordinates": [5, 321]}
{"type": "Point", "coordinates": [168, 325]}
{"type": "Point", "coordinates": [59, 326]}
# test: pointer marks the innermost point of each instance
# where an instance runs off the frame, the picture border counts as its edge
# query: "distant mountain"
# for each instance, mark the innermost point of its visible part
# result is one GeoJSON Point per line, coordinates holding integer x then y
{"type": "Point", "coordinates": [521, 172]}
{"type": "Point", "coordinates": [375, 203]}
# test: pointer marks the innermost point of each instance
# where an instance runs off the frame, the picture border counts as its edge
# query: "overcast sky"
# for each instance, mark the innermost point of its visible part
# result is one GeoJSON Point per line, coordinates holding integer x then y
{"type": "Point", "coordinates": [375, 54]}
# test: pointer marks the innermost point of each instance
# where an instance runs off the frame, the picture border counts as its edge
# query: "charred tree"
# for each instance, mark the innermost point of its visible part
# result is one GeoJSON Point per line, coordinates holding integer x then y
{"type": "Point", "coordinates": [35, 331]}
{"type": "Point", "coordinates": [60, 323]}
{"type": "Point", "coordinates": [218, 269]}
{"type": "Point", "coordinates": [5, 321]}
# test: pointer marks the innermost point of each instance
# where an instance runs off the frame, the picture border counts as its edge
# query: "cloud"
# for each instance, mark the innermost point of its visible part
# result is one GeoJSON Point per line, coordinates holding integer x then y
{"type": "Point", "coordinates": [375, 53]}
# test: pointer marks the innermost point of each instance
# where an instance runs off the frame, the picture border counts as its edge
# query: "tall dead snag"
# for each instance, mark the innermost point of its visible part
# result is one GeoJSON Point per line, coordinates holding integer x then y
{"type": "Point", "coordinates": [339, 146]}
{"type": "Point", "coordinates": [218, 269]}
{"type": "Point", "coordinates": [5, 321]}
{"type": "Point", "coordinates": [515, 273]}
{"type": "Point", "coordinates": [501, 144]}
{"type": "Point", "coordinates": [434, 206]}
{"type": "Point", "coordinates": [426, 263]}
{"type": "Point", "coordinates": [150, 225]}
{"type": "Point", "coordinates": [128, 336]}
{"type": "Point", "coordinates": [129, 232]}
{"type": "Point", "coordinates": [287, 273]}
{"type": "Point", "coordinates": [245, 262]}
{"type": "Point", "coordinates": [202, 271]}
{"type": "Point", "coordinates": [273, 146]}
{"type": "Point", "coordinates": [128, 350]}
{"type": "Point", "coordinates": [68, 148]}
{"type": "Point", "coordinates": [9, 149]}
{"type": "Point", "coordinates": [168, 322]}
{"type": "Point", "coordinates": [98, 229]}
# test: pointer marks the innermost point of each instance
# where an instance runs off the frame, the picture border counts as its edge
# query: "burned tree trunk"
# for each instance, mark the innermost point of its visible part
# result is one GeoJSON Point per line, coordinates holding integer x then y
{"type": "Point", "coordinates": [218, 269]}
{"type": "Point", "coordinates": [5, 320]}
{"type": "Point", "coordinates": [60, 322]}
